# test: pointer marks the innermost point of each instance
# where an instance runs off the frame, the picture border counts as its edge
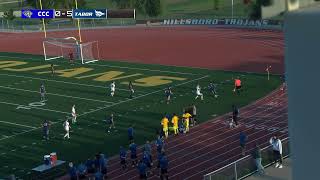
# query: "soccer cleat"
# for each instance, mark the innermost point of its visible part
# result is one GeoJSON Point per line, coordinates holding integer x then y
{"type": "Point", "coordinates": [280, 166]}
{"type": "Point", "coordinates": [277, 165]}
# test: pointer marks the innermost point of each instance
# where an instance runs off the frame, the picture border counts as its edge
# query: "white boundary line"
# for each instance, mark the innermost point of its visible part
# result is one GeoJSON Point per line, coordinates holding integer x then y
{"type": "Point", "coordinates": [74, 97]}
{"type": "Point", "coordinates": [103, 107]}
{"type": "Point", "coordinates": [13, 104]}
{"type": "Point", "coordinates": [79, 84]}
{"type": "Point", "coordinates": [120, 67]}
{"type": "Point", "coordinates": [5, 122]}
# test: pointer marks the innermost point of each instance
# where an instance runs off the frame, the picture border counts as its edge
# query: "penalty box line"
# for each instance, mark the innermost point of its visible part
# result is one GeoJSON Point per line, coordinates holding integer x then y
{"type": "Point", "coordinates": [86, 113]}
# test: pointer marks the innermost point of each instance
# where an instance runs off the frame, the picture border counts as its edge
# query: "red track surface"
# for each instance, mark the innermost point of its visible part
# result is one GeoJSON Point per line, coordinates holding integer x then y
{"type": "Point", "coordinates": [213, 144]}
{"type": "Point", "coordinates": [210, 145]}
{"type": "Point", "coordinates": [206, 47]}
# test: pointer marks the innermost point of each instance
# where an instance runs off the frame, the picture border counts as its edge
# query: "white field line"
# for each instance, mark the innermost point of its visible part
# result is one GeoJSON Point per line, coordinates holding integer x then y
{"type": "Point", "coordinates": [64, 82]}
{"type": "Point", "coordinates": [74, 97]}
{"type": "Point", "coordinates": [120, 67]}
{"type": "Point", "coordinates": [104, 107]}
{"type": "Point", "coordinates": [13, 104]}
{"type": "Point", "coordinates": [5, 122]}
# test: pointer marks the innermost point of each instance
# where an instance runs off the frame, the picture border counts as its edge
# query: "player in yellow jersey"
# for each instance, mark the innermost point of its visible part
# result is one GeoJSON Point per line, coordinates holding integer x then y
{"type": "Point", "coordinates": [186, 116]}
{"type": "Point", "coordinates": [164, 124]}
{"type": "Point", "coordinates": [175, 121]}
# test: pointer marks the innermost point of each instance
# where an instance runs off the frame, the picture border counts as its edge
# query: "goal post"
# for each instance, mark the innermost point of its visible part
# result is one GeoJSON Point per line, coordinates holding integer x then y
{"type": "Point", "coordinates": [61, 48]}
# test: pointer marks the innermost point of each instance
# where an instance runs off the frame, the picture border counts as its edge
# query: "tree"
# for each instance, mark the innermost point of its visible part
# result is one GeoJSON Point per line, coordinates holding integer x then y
{"type": "Point", "coordinates": [8, 15]}
{"type": "Point", "coordinates": [139, 5]}
{"type": "Point", "coordinates": [122, 4]}
{"type": "Point", "coordinates": [255, 9]}
{"type": "Point", "coordinates": [216, 4]}
{"type": "Point", "coordinates": [266, 2]}
{"type": "Point", "coordinates": [153, 7]}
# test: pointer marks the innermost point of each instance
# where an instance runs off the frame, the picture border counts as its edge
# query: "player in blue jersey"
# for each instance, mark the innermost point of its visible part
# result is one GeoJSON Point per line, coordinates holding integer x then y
{"type": "Point", "coordinates": [123, 158]}
{"type": "Point", "coordinates": [130, 134]}
{"type": "Point", "coordinates": [213, 89]}
{"type": "Point", "coordinates": [45, 128]}
{"type": "Point", "coordinates": [133, 150]}
{"type": "Point", "coordinates": [168, 93]}
{"type": "Point", "coordinates": [111, 123]}
{"type": "Point", "coordinates": [42, 92]}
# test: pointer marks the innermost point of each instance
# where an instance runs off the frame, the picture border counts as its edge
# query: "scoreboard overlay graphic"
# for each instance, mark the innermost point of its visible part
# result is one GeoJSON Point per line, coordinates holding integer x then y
{"type": "Point", "coordinates": [78, 13]}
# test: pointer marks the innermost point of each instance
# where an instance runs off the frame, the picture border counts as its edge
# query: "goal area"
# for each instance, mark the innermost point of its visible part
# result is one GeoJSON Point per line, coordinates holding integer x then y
{"type": "Point", "coordinates": [64, 48]}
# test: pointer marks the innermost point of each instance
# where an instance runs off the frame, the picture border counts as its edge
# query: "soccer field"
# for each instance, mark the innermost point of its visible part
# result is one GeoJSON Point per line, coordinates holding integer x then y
{"type": "Point", "coordinates": [87, 86]}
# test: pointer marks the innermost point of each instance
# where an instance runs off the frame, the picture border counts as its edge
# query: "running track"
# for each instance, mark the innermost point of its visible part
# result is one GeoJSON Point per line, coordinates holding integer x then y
{"type": "Point", "coordinates": [212, 145]}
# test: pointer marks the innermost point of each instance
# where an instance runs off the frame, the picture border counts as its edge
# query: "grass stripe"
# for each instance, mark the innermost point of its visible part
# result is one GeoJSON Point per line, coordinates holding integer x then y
{"type": "Point", "coordinates": [86, 113]}
{"type": "Point", "coordinates": [13, 104]}
{"type": "Point", "coordinates": [89, 112]}
{"type": "Point", "coordinates": [17, 124]}
{"type": "Point", "coordinates": [113, 66]}
{"type": "Point", "coordinates": [64, 82]}
{"type": "Point", "coordinates": [74, 97]}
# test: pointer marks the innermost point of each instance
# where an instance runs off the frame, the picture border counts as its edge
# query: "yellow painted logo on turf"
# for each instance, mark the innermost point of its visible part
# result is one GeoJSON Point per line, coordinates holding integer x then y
{"type": "Point", "coordinates": [89, 73]}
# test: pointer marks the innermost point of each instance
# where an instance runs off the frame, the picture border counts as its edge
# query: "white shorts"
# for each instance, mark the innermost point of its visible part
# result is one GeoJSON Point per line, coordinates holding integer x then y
{"type": "Point", "coordinates": [113, 89]}
{"type": "Point", "coordinates": [199, 93]}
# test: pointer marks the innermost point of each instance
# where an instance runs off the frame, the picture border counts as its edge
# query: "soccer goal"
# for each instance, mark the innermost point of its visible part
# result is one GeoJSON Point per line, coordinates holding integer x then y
{"type": "Point", "coordinates": [62, 48]}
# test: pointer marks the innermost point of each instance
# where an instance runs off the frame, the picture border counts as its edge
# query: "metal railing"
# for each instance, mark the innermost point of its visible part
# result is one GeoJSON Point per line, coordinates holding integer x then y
{"type": "Point", "coordinates": [245, 166]}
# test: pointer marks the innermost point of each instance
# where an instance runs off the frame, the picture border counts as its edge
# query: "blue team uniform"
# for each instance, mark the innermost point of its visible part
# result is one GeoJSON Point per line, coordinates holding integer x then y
{"type": "Point", "coordinates": [133, 150]}
{"type": "Point", "coordinates": [130, 133]}
{"type": "Point", "coordinates": [142, 170]}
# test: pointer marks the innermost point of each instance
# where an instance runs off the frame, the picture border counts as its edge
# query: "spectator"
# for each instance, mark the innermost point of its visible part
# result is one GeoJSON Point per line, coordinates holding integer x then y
{"type": "Point", "coordinates": [72, 172]}
{"type": "Point", "coordinates": [258, 158]}
{"type": "Point", "coordinates": [142, 170]}
{"type": "Point", "coordinates": [277, 151]}
{"type": "Point", "coordinates": [243, 140]}
{"type": "Point", "coordinates": [130, 134]}
{"type": "Point", "coordinates": [133, 150]}
{"type": "Point", "coordinates": [123, 158]}
{"type": "Point", "coordinates": [164, 167]}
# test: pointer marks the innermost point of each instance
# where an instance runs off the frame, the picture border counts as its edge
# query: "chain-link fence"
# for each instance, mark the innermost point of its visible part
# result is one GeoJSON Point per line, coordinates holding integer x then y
{"type": "Point", "coordinates": [245, 166]}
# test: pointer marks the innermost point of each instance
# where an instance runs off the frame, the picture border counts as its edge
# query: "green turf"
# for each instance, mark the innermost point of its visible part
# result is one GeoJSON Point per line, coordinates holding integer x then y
{"type": "Point", "coordinates": [25, 150]}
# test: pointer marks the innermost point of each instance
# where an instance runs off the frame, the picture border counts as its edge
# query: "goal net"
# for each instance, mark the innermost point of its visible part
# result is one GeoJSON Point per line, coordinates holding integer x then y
{"type": "Point", "coordinates": [70, 47]}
